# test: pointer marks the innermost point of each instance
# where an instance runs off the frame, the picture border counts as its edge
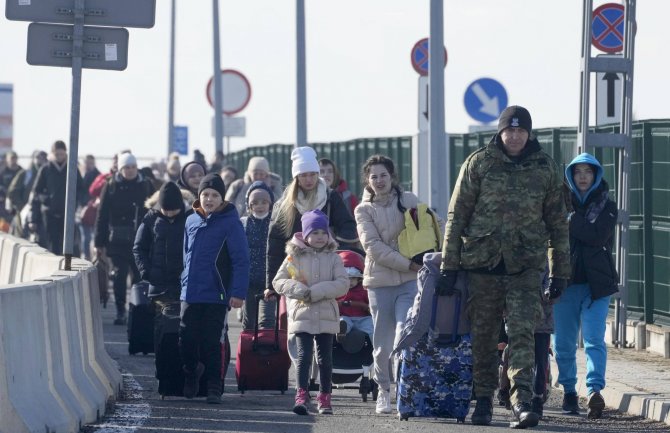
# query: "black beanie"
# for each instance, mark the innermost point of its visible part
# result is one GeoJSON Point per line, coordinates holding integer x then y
{"type": "Point", "coordinates": [515, 116]}
{"type": "Point", "coordinates": [169, 197]}
{"type": "Point", "coordinates": [213, 181]}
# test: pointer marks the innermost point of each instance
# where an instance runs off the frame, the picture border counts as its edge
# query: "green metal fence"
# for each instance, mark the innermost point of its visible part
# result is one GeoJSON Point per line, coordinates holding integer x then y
{"type": "Point", "coordinates": [649, 271]}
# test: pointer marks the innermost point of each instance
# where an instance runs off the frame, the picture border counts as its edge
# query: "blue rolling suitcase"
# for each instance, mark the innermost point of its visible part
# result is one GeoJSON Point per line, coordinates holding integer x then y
{"type": "Point", "coordinates": [435, 373]}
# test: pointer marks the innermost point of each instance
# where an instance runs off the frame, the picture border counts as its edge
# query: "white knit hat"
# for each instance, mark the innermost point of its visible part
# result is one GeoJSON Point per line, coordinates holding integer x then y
{"type": "Point", "coordinates": [258, 163]}
{"type": "Point", "coordinates": [125, 159]}
{"type": "Point", "coordinates": [304, 161]}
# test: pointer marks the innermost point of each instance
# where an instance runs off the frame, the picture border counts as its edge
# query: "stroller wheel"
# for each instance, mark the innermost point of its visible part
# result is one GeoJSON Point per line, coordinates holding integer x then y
{"type": "Point", "coordinates": [375, 390]}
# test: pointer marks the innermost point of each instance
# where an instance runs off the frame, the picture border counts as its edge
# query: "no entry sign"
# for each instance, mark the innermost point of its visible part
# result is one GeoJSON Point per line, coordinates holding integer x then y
{"type": "Point", "coordinates": [236, 91]}
{"type": "Point", "coordinates": [607, 26]}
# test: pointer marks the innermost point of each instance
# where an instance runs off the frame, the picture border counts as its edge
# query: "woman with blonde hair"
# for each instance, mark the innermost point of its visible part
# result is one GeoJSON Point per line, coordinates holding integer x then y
{"type": "Point", "coordinates": [306, 192]}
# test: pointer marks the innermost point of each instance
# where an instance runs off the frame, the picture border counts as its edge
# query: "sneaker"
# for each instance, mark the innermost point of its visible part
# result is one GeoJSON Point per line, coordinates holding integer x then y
{"type": "Point", "coordinates": [192, 380]}
{"type": "Point", "coordinates": [301, 402]}
{"type": "Point", "coordinates": [596, 405]}
{"type": "Point", "coordinates": [483, 411]}
{"type": "Point", "coordinates": [383, 401]}
{"type": "Point", "coordinates": [570, 403]}
{"type": "Point", "coordinates": [323, 403]}
{"type": "Point", "coordinates": [121, 319]}
{"type": "Point", "coordinates": [524, 415]}
{"type": "Point", "coordinates": [213, 396]}
{"type": "Point", "coordinates": [537, 406]}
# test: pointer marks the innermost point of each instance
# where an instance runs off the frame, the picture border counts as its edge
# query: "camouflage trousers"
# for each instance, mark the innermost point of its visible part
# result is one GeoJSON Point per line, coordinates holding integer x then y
{"type": "Point", "coordinates": [518, 296]}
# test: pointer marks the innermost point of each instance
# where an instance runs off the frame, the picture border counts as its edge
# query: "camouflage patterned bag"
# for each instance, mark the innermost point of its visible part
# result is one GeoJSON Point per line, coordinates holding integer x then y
{"type": "Point", "coordinates": [435, 373]}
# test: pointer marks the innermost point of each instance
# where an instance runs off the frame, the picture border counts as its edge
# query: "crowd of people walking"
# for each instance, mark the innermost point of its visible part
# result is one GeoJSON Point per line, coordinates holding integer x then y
{"type": "Point", "coordinates": [535, 243]}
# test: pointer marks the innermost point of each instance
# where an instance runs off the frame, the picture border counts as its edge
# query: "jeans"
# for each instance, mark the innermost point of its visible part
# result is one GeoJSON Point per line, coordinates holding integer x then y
{"type": "Point", "coordinates": [86, 235]}
{"type": "Point", "coordinates": [573, 307]}
{"type": "Point", "coordinates": [389, 307]}
{"type": "Point", "coordinates": [200, 339]}
{"type": "Point", "coordinates": [324, 355]}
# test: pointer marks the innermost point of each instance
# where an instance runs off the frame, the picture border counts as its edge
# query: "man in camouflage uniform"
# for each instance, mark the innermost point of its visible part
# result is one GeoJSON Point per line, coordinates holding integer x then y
{"type": "Point", "coordinates": [506, 217]}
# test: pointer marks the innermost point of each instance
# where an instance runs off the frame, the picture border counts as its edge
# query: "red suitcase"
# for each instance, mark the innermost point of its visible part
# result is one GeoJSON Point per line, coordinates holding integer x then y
{"type": "Point", "coordinates": [262, 359]}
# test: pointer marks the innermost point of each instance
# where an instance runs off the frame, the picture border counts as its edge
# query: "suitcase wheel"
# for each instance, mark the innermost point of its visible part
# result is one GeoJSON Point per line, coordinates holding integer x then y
{"type": "Point", "coordinates": [162, 397]}
{"type": "Point", "coordinates": [460, 420]}
{"type": "Point", "coordinates": [403, 416]}
{"type": "Point", "coordinates": [282, 392]}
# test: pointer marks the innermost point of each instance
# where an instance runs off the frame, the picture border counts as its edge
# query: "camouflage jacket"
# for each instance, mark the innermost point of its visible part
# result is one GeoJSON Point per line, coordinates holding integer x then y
{"type": "Point", "coordinates": [508, 210]}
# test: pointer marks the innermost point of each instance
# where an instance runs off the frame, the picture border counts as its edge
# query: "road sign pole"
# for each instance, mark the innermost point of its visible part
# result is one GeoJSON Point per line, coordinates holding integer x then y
{"type": "Point", "coordinates": [439, 156]}
{"type": "Point", "coordinates": [301, 88]}
{"type": "Point", "coordinates": [170, 146]}
{"type": "Point", "coordinates": [218, 94]}
{"type": "Point", "coordinates": [71, 186]}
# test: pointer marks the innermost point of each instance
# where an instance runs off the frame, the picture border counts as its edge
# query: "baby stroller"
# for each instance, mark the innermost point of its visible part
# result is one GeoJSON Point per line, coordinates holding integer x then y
{"type": "Point", "coordinates": [352, 359]}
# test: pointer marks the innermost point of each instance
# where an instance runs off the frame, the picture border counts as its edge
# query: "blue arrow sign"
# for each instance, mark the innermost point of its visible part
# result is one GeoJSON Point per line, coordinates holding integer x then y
{"type": "Point", "coordinates": [485, 99]}
{"type": "Point", "coordinates": [180, 140]}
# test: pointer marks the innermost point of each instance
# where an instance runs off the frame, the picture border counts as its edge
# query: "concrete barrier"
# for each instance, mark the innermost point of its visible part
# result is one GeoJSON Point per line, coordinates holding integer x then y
{"type": "Point", "coordinates": [55, 374]}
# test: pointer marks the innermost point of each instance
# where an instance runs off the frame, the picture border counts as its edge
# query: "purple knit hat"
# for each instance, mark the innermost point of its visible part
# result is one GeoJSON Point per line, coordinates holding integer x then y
{"type": "Point", "coordinates": [313, 220]}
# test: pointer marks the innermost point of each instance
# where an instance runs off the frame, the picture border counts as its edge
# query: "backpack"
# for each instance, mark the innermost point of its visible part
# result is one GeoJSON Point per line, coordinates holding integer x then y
{"type": "Point", "coordinates": [421, 234]}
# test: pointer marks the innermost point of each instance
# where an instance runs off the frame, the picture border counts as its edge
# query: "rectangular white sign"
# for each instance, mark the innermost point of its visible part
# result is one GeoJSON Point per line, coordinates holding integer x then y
{"type": "Point", "coordinates": [6, 116]}
{"type": "Point", "coordinates": [232, 126]}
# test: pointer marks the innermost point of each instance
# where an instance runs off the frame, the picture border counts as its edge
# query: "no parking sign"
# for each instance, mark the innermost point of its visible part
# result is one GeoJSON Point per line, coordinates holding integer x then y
{"type": "Point", "coordinates": [607, 27]}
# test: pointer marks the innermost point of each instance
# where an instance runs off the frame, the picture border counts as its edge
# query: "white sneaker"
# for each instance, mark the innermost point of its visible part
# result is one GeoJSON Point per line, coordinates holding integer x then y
{"type": "Point", "coordinates": [383, 402]}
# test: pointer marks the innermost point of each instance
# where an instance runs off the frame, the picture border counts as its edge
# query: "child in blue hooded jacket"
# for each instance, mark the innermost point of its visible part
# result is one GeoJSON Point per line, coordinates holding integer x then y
{"type": "Point", "coordinates": [594, 279]}
{"type": "Point", "coordinates": [215, 277]}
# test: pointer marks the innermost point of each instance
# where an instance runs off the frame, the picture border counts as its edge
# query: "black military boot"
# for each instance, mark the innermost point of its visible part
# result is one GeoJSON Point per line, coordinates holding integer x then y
{"type": "Point", "coordinates": [524, 416]}
{"type": "Point", "coordinates": [483, 411]}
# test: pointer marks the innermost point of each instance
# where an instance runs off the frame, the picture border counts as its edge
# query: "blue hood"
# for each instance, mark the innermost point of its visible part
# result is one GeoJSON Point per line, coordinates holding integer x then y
{"type": "Point", "coordinates": [584, 158]}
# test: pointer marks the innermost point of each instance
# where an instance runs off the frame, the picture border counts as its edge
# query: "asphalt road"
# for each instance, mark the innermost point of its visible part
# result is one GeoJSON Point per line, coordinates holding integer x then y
{"type": "Point", "coordinates": [141, 409]}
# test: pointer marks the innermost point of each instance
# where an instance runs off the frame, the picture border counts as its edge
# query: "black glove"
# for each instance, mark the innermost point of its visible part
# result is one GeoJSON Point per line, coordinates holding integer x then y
{"type": "Point", "coordinates": [446, 283]}
{"type": "Point", "coordinates": [555, 288]}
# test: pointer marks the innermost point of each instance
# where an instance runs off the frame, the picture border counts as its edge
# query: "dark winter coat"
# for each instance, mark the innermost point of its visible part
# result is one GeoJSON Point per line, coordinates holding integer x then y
{"type": "Point", "coordinates": [8, 174]}
{"type": "Point", "coordinates": [120, 213]}
{"type": "Point", "coordinates": [592, 234]}
{"type": "Point", "coordinates": [90, 176]}
{"type": "Point", "coordinates": [158, 252]}
{"type": "Point", "coordinates": [49, 192]}
{"type": "Point", "coordinates": [216, 257]}
{"type": "Point", "coordinates": [342, 225]}
{"type": "Point", "coordinates": [21, 186]}
{"type": "Point", "coordinates": [257, 238]}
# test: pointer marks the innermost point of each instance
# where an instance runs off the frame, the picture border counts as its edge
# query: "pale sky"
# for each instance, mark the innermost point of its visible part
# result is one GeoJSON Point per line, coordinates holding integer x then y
{"type": "Point", "coordinates": [360, 82]}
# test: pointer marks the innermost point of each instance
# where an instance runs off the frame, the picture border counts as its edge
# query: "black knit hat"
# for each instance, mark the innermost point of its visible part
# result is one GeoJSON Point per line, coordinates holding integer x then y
{"type": "Point", "coordinates": [214, 182]}
{"type": "Point", "coordinates": [169, 197]}
{"type": "Point", "coordinates": [515, 116]}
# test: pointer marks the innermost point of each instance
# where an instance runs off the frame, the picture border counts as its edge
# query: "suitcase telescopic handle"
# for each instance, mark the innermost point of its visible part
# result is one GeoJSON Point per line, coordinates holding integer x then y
{"type": "Point", "coordinates": [457, 313]}
{"type": "Point", "coordinates": [259, 298]}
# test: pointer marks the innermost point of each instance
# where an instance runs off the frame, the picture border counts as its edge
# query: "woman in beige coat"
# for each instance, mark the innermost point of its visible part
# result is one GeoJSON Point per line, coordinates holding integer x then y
{"type": "Point", "coordinates": [389, 276]}
{"type": "Point", "coordinates": [311, 278]}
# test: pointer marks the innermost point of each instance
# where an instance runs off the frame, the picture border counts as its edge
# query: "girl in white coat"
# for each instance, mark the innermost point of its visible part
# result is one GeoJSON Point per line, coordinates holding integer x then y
{"type": "Point", "coordinates": [311, 278]}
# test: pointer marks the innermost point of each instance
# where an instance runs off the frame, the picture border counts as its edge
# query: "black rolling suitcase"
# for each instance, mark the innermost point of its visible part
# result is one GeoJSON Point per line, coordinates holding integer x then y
{"type": "Point", "coordinates": [140, 320]}
{"type": "Point", "coordinates": [169, 370]}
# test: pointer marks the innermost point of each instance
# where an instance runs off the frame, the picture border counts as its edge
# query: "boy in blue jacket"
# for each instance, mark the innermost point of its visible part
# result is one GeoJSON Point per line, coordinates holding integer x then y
{"type": "Point", "coordinates": [215, 278]}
